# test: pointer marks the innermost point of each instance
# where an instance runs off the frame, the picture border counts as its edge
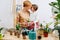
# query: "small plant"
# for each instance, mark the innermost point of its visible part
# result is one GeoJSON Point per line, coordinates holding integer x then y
{"type": "Point", "coordinates": [1, 36]}
{"type": "Point", "coordinates": [18, 26]}
{"type": "Point", "coordinates": [1, 29]}
{"type": "Point", "coordinates": [28, 20]}
{"type": "Point", "coordinates": [41, 25]}
{"type": "Point", "coordinates": [47, 29]}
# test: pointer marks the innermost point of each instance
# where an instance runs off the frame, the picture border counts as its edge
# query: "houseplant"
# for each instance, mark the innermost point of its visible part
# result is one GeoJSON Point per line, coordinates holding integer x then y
{"type": "Point", "coordinates": [47, 29]}
{"type": "Point", "coordinates": [1, 36]}
{"type": "Point", "coordinates": [56, 5]}
{"type": "Point", "coordinates": [40, 31]}
{"type": "Point", "coordinates": [18, 26]}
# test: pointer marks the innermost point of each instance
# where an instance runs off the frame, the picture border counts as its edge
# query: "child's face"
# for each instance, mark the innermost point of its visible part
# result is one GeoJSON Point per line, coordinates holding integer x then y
{"type": "Point", "coordinates": [32, 9]}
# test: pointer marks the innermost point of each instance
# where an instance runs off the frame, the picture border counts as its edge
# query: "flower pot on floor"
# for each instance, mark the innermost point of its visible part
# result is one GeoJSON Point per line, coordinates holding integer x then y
{"type": "Point", "coordinates": [45, 34]}
{"type": "Point", "coordinates": [1, 36]}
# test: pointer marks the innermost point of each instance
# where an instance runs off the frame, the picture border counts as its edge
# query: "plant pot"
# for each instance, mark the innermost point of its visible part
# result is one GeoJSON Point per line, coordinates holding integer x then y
{"type": "Point", "coordinates": [11, 33]}
{"type": "Point", "coordinates": [15, 33]}
{"type": "Point", "coordinates": [18, 35]}
{"type": "Point", "coordinates": [24, 35]}
{"type": "Point", "coordinates": [1, 36]}
{"type": "Point", "coordinates": [45, 34]}
{"type": "Point", "coordinates": [40, 32]}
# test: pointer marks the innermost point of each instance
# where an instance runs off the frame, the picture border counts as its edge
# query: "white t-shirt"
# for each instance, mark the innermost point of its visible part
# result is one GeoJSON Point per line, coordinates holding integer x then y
{"type": "Point", "coordinates": [34, 16]}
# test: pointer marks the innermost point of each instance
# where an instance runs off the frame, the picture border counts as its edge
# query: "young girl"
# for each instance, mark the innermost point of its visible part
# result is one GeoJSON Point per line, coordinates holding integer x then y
{"type": "Point", "coordinates": [32, 17]}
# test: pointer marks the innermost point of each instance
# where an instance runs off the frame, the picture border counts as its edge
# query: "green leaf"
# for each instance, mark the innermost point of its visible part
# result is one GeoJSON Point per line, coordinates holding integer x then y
{"type": "Point", "coordinates": [17, 26]}
{"type": "Point", "coordinates": [55, 12]}
{"type": "Point", "coordinates": [58, 16]}
{"type": "Point", "coordinates": [41, 25]}
{"type": "Point", "coordinates": [0, 29]}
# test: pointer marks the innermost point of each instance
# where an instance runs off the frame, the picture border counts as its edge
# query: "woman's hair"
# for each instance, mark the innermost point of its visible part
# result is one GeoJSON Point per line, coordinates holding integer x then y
{"type": "Point", "coordinates": [26, 3]}
{"type": "Point", "coordinates": [35, 7]}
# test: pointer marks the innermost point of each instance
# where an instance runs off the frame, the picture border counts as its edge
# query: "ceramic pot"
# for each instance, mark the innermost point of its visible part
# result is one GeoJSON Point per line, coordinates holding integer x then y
{"type": "Point", "coordinates": [45, 34]}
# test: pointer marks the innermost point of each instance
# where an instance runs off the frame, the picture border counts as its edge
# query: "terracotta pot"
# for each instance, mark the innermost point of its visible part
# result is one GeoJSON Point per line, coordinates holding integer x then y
{"type": "Point", "coordinates": [18, 34]}
{"type": "Point", "coordinates": [15, 33]}
{"type": "Point", "coordinates": [45, 34]}
{"type": "Point", "coordinates": [11, 33]}
{"type": "Point", "coordinates": [24, 37]}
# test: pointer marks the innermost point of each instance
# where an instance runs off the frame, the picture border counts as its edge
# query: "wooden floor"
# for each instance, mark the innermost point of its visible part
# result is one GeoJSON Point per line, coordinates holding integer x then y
{"type": "Point", "coordinates": [12, 37]}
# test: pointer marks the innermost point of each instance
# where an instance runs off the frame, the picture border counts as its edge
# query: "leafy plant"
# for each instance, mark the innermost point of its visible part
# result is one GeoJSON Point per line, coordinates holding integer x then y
{"type": "Point", "coordinates": [41, 25]}
{"type": "Point", "coordinates": [18, 26]}
{"type": "Point", "coordinates": [57, 18]}
{"type": "Point", "coordinates": [57, 6]}
{"type": "Point", "coordinates": [0, 29]}
{"type": "Point", "coordinates": [47, 29]}
{"type": "Point", "coordinates": [28, 20]}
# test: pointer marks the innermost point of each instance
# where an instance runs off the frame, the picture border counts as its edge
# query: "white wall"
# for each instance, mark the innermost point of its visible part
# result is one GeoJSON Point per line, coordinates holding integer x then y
{"type": "Point", "coordinates": [6, 15]}
{"type": "Point", "coordinates": [44, 10]}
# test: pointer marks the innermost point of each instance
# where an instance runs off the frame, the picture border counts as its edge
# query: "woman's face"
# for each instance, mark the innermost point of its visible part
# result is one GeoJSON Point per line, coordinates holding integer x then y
{"type": "Point", "coordinates": [29, 6]}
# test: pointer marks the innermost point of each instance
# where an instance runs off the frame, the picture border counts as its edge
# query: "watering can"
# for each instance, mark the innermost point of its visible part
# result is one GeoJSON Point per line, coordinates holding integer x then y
{"type": "Point", "coordinates": [32, 34]}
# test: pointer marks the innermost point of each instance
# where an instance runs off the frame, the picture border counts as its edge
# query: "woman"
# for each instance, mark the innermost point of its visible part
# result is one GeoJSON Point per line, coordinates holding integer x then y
{"type": "Point", "coordinates": [24, 14]}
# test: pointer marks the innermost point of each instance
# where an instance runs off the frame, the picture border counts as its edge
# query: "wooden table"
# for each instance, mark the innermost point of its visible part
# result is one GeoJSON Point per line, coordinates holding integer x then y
{"type": "Point", "coordinates": [12, 37]}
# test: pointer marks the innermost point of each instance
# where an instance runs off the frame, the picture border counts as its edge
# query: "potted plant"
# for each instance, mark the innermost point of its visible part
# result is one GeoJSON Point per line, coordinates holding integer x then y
{"type": "Point", "coordinates": [40, 30]}
{"type": "Point", "coordinates": [17, 26]}
{"type": "Point", "coordinates": [1, 36]}
{"type": "Point", "coordinates": [56, 5]}
{"type": "Point", "coordinates": [47, 29]}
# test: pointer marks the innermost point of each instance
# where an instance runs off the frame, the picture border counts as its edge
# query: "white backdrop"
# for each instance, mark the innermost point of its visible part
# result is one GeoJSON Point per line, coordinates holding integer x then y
{"type": "Point", "coordinates": [6, 15]}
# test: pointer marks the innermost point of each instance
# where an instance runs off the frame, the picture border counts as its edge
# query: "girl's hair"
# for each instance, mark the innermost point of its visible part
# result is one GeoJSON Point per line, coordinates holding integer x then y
{"type": "Point", "coordinates": [35, 7]}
